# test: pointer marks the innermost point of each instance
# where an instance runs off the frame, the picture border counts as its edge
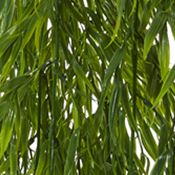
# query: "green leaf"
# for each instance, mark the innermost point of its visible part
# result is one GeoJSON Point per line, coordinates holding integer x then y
{"type": "Point", "coordinates": [112, 110]}
{"type": "Point", "coordinates": [29, 32]}
{"type": "Point", "coordinates": [75, 116]}
{"type": "Point", "coordinates": [38, 34]}
{"type": "Point", "coordinates": [4, 108]}
{"type": "Point", "coordinates": [133, 7]}
{"type": "Point", "coordinates": [10, 62]}
{"type": "Point", "coordinates": [171, 22]}
{"type": "Point", "coordinates": [13, 159]}
{"type": "Point", "coordinates": [120, 8]}
{"type": "Point", "coordinates": [6, 40]}
{"type": "Point", "coordinates": [42, 161]}
{"type": "Point", "coordinates": [149, 141]}
{"type": "Point", "coordinates": [84, 83]}
{"type": "Point", "coordinates": [155, 28]}
{"type": "Point", "coordinates": [6, 133]}
{"type": "Point", "coordinates": [169, 79]}
{"type": "Point", "coordinates": [24, 127]}
{"type": "Point", "coordinates": [70, 158]}
{"type": "Point", "coordinates": [125, 102]}
{"type": "Point", "coordinates": [139, 164]}
{"type": "Point", "coordinates": [13, 84]}
{"type": "Point", "coordinates": [164, 53]}
{"type": "Point", "coordinates": [114, 63]}
{"type": "Point", "coordinates": [159, 166]}
{"type": "Point", "coordinates": [163, 138]}
{"type": "Point", "coordinates": [80, 73]}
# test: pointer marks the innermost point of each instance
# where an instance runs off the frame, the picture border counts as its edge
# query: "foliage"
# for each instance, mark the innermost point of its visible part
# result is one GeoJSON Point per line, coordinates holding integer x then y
{"type": "Point", "coordinates": [110, 55]}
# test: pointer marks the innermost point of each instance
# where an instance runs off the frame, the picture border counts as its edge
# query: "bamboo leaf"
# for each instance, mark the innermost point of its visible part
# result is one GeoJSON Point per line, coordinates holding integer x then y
{"type": "Point", "coordinates": [164, 53]}
{"type": "Point", "coordinates": [159, 166]}
{"type": "Point", "coordinates": [70, 158]}
{"type": "Point", "coordinates": [13, 84]}
{"type": "Point", "coordinates": [4, 108]}
{"type": "Point", "coordinates": [6, 134]}
{"type": "Point", "coordinates": [112, 110]}
{"type": "Point", "coordinates": [6, 40]}
{"type": "Point", "coordinates": [42, 161]}
{"type": "Point", "coordinates": [125, 101]}
{"type": "Point", "coordinates": [38, 34]}
{"type": "Point", "coordinates": [155, 28]}
{"type": "Point", "coordinates": [8, 66]}
{"type": "Point", "coordinates": [88, 60]}
{"type": "Point", "coordinates": [163, 138]}
{"type": "Point", "coordinates": [114, 63]}
{"type": "Point", "coordinates": [13, 159]}
{"type": "Point", "coordinates": [166, 85]}
{"type": "Point", "coordinates": [149, 141]}
{"type": "Point", "coordinates": [29, 32]}
{"type": "Point", "coordinates": [75, 116]}
{"type": "Point", "coordinates": [121, 6]}
{"type": "Point", "coordinates": [133, 7]}
{"type": "Point", "coordinates": [79, 72]}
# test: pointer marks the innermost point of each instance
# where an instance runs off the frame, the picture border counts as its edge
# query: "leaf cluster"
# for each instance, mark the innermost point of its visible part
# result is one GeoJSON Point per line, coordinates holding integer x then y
{"type": "Point", "coordinates": [88, 83]}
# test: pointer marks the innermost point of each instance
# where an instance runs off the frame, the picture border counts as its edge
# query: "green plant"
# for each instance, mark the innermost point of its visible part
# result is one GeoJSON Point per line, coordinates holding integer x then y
{"type": "Point", "coordinates": [113, 55]}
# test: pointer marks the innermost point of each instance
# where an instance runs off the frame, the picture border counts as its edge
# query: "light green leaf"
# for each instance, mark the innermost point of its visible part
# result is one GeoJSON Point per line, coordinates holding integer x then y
{"type": "Point", "coordinates": [4, 108]}
{"type": "Point", "coordinates": [75, 116]}
{"type": "Point", "coordinates": [133, 7]}
{"type": "Point", "coordinates": [120, 8]}
{"type": "Point", "coordinates": [164, 53]}
{"type": "Point", "coordinates": [29, 32]}
{"type": "Point", "coordinates": [39, 33]}
{"type": "Point", "coordinates": [6, 133]}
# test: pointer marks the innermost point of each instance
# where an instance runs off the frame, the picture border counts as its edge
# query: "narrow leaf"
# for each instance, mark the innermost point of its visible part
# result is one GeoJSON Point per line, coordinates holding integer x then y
{"type": "Point", "coordinates": [14, 83]}
{"type": "Point", "coordinates": [166, 85]}
{"type": "Point", "coordinates": [121, 6]}
{"type": "Point", "coordinates": [13, 159]}
{"type": "Point", "coordinates": [75, 116]}
{"type": "Point", "coordinates": [80, 73]}
{"type": "Point", "coordinates": [70, 158]}
{"type": "Point", "coordinates": [164, 53]}
{"type": "Point", "coordinates": [126, 105]}
{"type": "Point", "coordinates": [159, 166]}
{"type": "Point", "coordinates": [156, 26]}
{"type": "Point", "coordinates": [149, 141]}
{"type": "Point", "coordinates": [114, 63]}
{"type": "Point", "coordinates": [6, 134]}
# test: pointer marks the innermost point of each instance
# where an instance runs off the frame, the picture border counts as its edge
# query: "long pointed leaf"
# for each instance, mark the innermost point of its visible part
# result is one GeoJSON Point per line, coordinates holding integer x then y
{"type": "Point", "coordinates": [156, 26]}
{"type": "Point", "coordinates": [166, 85]}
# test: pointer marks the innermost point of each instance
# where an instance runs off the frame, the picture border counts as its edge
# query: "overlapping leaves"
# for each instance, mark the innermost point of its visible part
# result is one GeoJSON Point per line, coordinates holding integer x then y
{"type": "Point", "coordinates": [84, 85]}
